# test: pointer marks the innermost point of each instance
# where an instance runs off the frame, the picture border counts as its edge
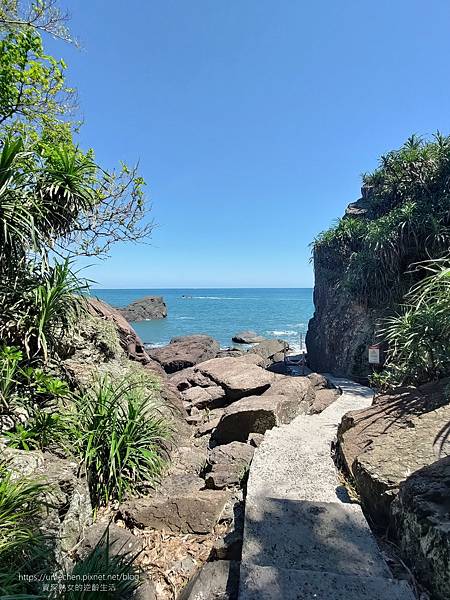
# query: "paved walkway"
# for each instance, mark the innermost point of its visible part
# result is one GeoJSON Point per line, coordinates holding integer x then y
{"type": "Point", "coordinates": [303, 538]}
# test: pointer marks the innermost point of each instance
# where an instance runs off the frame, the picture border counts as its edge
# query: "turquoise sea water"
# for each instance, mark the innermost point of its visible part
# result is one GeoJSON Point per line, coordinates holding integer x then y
{"type": "Point", "coordinates": [221, 313]}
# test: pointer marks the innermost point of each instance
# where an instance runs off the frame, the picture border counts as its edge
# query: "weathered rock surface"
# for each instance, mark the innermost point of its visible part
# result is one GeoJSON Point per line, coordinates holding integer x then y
{"type": "Point", "coordinates": [399, 434]}
{"type": "Point", "coordinates": [269, 350]}
{"type": "Point", "coordinates": [189, 377]}
{"type": "Point", "coordinates": [228, 465]}
{"type": "Point", "coordinates": [189, 459]}
{"type": "Point", "coordinates": [295, 388]}
{"type": "Point", "coordinates": [236, 376]}
{"type": "Point", "coordinates": [191, 511]}
{"type": "Point", "coordinates": [230, 353]}
{"type": "Point", "coordinates": [255, 414]}
{"type": "Point", "coordinates": [183, 352]}
{"type": "Point", "coordinates": [145, 309]}
{"type": "Point", "coordinates": [218, 580]}
{"type": "Point", "coordinates": [68, 509]}
{"type": "Point", "coordinates": [322, 399]}
{"type": "Point", "coordinates": [205, 397]}
{"type": "Point", "coordinates": [121, 540]}
{"type": "Point", "coordinates": [341, 329]}
{"type": "Point", "coordinates": [129, 340]}
{"type": "Point", "coordinates": [247, 337]}
{"type": "Point", "coordinates": [255, 439]}
{"type": "Point", "coordinates": [421, 518]}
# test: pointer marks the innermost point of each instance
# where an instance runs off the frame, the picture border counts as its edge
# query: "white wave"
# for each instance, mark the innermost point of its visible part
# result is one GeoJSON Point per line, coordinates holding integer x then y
{"type": "Point", "coordinates": [156, 345]}
{"type": "Point", "coordinates": [184, 318]}
{"type": "Point", "coordinates": [283, 332]}
{"type": "Point", "coordinates": [296, 347]}
{"type": "Point", "coordinates": [218, 298]}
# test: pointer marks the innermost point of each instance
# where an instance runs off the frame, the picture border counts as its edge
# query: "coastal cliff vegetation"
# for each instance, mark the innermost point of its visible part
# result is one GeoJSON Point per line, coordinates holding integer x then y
{"type": "Point", "coordinates": [390, 254]}
{"type": "Point", "coordinates": [57, 203]}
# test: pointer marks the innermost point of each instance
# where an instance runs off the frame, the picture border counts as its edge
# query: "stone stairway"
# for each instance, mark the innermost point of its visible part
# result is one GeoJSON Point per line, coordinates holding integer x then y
{"type": "Point", "coordinates": [303, 538]}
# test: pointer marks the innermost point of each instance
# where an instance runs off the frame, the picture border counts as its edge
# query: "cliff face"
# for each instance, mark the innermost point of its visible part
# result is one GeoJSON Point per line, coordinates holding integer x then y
{"type": "Point", "coordinates": [341, 328]}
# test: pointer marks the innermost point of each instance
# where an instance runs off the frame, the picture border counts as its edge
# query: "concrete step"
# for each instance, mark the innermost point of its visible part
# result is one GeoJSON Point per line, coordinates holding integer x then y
{"type": "Point", "coordinates": [295, 468]}
{"type": "Point", "coordinates": [270, 583]}
{"type": "Point", "coordinates": [315, 536]}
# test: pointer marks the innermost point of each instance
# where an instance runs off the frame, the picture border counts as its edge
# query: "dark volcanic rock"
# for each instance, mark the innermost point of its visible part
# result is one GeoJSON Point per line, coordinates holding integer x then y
{"type": "Point", "coordinates": [383, 444]}
{"type": "Point", "coordinates": [341, 329]}
{"type": "Point", "coordinates": [183, 352]}
{"type": "Point", "coordinates": [247, 337]}
{"type": "Point", "coordinates": [144, 309]}
{"type": "Point", "coordinates": [121, 540]}
{"type": "Point", "coordinates": [421, 523]}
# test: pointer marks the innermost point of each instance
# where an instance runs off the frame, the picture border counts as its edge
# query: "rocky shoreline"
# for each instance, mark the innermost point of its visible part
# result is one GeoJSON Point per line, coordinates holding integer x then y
{"type": "Point", "coordinates": [220, 403]}
{"type": "Point", "coordinates": [223, 402]}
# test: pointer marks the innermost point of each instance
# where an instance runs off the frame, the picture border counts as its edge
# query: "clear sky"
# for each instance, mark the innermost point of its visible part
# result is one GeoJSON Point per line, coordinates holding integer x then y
{"type": "Point", "coordinates": [252, 121]}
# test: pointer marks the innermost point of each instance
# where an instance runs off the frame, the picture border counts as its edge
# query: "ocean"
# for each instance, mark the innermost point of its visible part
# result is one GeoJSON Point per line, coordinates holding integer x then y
{"type": "Point", "coordinates": [272, 312]}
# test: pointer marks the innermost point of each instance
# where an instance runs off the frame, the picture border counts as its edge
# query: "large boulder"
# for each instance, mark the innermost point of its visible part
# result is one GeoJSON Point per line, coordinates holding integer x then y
{"type": "Point", "coordinates": [145, 309]}
{"type": "Point", "coordinates": [299, 389]}
{"type": "Point", "coordinates": [247, 337]}
{"type": "Point", "coordinates": [270, 350]}
{"type": "Point", "coordinates": [180, 510]}
{"type": "Point", "coordinates": [204, 397]}
{"type": "Point", "coordinates": [382, 445]}
{"type": "Point", "coordinates": [228, 465]}
{"type": "Point", "coordinates": [255, 414]}
{"type": "Point", "coordinates": [183, 352]}
{"type": "Point", "coordinates": [421, 524]}
{"type": "Point", "coordinates": [237, 376]}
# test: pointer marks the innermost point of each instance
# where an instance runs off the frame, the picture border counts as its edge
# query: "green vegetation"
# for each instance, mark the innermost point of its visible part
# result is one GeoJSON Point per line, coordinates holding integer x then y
{"type": "Point", "coordinates": [120, 438]}
{"type": "Point", "coordinates": [25, 553]}
{"type": "Point", "coordinates": [21, 543]}
{"type": "Point", "coordinates": [419, 335]}
{"type": "Point", "coordinates": [393, 257]}
{"type": "Point", "coordinates": [406, 221]}
{"type": "Point", "coordinates": [56, 204]}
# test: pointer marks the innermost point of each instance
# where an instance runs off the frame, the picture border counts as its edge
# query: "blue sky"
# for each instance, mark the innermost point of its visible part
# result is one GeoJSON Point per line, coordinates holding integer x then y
{"type": "Point", "coordinates": [252, 121]}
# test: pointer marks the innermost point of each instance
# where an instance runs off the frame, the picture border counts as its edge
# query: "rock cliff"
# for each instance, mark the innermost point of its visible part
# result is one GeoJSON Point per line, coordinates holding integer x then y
{"type": "Point", "coordinates": [341, 329]}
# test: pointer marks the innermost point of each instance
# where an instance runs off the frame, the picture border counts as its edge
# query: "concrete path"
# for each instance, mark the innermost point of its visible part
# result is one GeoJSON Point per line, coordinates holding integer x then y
{"type": "Point", "coordinates": [303, 538]}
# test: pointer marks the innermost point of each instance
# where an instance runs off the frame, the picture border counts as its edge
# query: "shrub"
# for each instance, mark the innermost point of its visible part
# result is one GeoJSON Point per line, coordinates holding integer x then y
{"type": "Point", "coordinates": [407, 221]}
{"type": "Point", "coordinates": [22, 547]}
{"type": "Point", "coordinates": [10, 358]}
{"type": "Point", "coordinates": [120, 437]}
{"type": "Point", "coordinates": [44, 431]}
{"type": "Point", "coordinates": [419, 334]}
{"type": "Point", "coordinates": [40, 307]}
{"type": "Point", "coordinates": [26, 386]}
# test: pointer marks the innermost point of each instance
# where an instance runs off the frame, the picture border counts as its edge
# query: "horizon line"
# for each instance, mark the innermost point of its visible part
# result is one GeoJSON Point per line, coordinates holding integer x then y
{"type": "Point", "coordinates": [209, 288]}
